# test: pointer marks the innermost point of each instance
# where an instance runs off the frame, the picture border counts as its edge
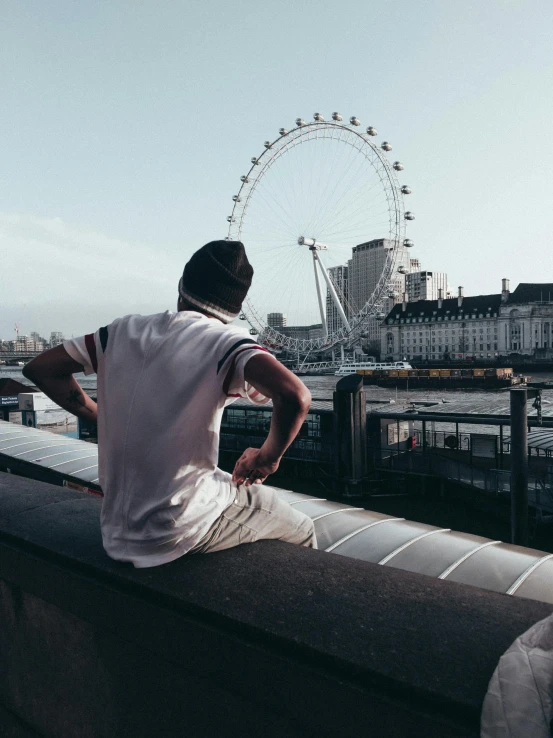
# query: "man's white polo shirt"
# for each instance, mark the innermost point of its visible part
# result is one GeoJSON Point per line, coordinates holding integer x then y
{"type": "Point", "coordinates": [163, 383]}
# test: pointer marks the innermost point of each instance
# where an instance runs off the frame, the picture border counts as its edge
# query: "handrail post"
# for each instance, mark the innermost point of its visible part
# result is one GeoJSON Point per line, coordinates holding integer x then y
{"type": "Point", "coordinates": [350, 422]}
{"type": "Point", "coordinates": [519, 467]}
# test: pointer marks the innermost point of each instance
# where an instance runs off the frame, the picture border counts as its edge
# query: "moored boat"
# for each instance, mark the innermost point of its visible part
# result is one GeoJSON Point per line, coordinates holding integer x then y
{"type": "Point", "coordinates": [360, 367]}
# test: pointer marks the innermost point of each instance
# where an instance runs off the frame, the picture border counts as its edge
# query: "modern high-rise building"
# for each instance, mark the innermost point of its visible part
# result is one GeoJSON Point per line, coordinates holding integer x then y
{"type": "Point", "coordinates": [365, 270]}
{"type": "Point", "coordinates": [339, 277]}
{"type": "Point", "coordinates": [276, 320]}
{"type": "Point", "coordinates": [426, 285]}
{"type": "Point", "coordinates": [303, 332]}
{"type": "Point", "coordinates": [56, 337]}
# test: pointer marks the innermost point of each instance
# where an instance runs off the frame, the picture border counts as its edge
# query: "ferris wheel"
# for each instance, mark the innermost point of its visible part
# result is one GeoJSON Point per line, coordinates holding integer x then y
{"type": "Point", "coordinates": [312, 195]}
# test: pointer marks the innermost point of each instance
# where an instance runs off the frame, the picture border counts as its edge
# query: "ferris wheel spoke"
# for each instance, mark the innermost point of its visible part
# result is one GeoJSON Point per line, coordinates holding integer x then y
{"type": "Point", "coordinates": [355, 231]}
{"type": "Point", "coordinates": [279, 216]}
{"type": "Point", "coordinates": [332, 166]}
{"type": "Point", "coordinates": [281, 194]}
{"type": "Point", "coordinates": [283, 212]}
{"type": "Point", "coordinates": [343, 201]}
{"type": "Point", "coordinates": [326, 205]}
{"type": "Point", "coordinates": [353, 224]}
{"type": "Point", "coordinates": [365, 204]}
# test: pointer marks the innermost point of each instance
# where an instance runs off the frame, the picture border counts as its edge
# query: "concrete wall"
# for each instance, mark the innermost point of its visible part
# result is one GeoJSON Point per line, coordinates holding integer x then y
{"type": "Point", "coordinates": [262, 640]}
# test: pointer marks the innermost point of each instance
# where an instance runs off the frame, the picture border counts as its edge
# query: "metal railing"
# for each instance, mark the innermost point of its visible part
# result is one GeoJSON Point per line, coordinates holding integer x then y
{"type": "Point", "coordinates": [302, 449]}
{"type": "Point", "coordinates": [491, 481]}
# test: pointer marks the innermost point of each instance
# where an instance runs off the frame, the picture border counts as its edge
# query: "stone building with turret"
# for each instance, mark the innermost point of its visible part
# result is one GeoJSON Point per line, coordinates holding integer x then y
{"type": "Point", "coordinates": [525, 322]}
{"type": "Point", "coordinates": [482, 327]}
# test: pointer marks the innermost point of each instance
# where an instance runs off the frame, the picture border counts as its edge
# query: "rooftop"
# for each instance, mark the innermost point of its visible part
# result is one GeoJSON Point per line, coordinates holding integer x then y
{"type": "Point", "coordinates": [477, 304]}
{"type": "Point", "coordinates": [532, 292]}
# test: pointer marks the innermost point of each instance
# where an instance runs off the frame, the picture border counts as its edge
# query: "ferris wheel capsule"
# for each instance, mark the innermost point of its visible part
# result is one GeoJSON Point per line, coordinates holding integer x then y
{"type": "Point", "coordinates": [300, 122]}
{"type": "Point", "coordinates": [408, 243]}
{"type": "Point", "coordinates": [354, 121]}
{"type": "Point", "coordinates": [243, 316]}
{"type": "Point", "coordinates": [237, 198]}
{"type": "Point", "coordinates": [371, 130]}
{"type": "Point", "coordinates": [253, 332]}
{"type": "Point", "coordinates": [268, 145]}
{"type": "Point", "coordinates": [398, 166]}
{"type": "Point", "coordinates": [337, 117]}
{"type": "Point", "coordinates": [318, 117]}
{"type": "Point", "coordinates": [283, 131]}
{"type": "Point", "coordinates": [231, 219]}
{"type": "Point", "coordinates": [254, 160]}
{"type": "Point", "coordinates": [402, 270]}
{"type": "Point", "coordinates": [406, 190]}
{"type": "Point", "coordinates": [409, 215]}
{"type": "Point", "coordinates": [244, 178]}
{"type": "Point", "coordinates": [385, 146]}
{"type": "Point", "coordinates": [381, 315]}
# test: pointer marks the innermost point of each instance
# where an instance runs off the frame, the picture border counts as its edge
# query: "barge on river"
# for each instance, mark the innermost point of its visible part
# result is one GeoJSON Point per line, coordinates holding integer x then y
{"type": "Point", "coordinates": [485, 378]}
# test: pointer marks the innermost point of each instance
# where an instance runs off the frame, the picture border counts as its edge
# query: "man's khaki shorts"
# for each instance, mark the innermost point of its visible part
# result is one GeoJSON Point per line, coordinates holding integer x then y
{"type": "Point", "coordinates": [257, 513]}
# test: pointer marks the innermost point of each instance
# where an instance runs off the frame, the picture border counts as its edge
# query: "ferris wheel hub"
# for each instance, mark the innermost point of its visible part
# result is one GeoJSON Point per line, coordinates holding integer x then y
{"type": "Point", "coordinates": [312, 244]}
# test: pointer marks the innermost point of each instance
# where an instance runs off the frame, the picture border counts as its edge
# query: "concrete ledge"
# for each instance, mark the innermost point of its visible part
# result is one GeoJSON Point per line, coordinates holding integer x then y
{"type": "Point", "coordinates": [266, 639]}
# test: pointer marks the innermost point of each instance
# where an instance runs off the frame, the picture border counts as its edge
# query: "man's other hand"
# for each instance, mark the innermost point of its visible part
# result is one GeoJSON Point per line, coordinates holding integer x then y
{"type": "Point", "coordinates": [253, 467]}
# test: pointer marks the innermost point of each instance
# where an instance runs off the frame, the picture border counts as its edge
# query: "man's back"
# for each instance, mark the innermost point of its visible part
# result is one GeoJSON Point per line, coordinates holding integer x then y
{"type": "Point", "coordinates": [163, 382]}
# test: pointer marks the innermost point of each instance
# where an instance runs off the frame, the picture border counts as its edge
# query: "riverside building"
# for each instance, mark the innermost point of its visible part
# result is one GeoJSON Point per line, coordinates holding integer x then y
{"type": "Point", "coordinates": [303, 332]}
{"type": "Point", "coordinates": [339, 277]}
{"type": "Point", "coordinates": [479, 327]}
{"type": "Point", "coordinates": [425, 285]}
{"type": "Point", "coordinates": [276, 320]}
{"type": "Point", "coordinates": [364, 272]}
{"type": "Point", "coordinates": [525, 323]}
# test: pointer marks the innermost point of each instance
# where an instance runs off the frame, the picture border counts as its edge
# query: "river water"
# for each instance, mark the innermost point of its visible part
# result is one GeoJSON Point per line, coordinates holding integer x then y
{"type": "Point", "coordinates": [322, 388]}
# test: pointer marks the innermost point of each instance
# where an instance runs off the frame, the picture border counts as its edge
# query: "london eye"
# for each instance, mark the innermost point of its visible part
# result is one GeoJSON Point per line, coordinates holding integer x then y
{"type": "Point", "coordinates": [310, 196]}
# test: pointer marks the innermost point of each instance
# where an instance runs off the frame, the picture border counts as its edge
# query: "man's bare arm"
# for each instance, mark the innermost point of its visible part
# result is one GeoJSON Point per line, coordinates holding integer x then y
{"type": "Point", "coordinates": [291, 402]}
{"type": "Point", "coordinates": [52, 372]}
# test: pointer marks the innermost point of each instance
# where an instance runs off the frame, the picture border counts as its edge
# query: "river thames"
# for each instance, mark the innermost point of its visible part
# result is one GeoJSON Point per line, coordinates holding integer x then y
{"type": "Point", "coordinates": [322, 388]}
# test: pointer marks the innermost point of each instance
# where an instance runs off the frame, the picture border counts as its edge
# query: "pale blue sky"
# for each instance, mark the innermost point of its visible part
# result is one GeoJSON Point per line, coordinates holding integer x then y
{"type": "Point", "coordinates": [125, 126]}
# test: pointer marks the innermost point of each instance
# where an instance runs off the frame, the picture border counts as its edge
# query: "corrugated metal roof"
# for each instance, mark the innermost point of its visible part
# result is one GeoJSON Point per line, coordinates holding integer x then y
{"type": "Point", "coordinates": [69, 457]}
{"type": "Point", "coordinates": [538, 438]}
{"type": "Point", "coordinates": [341, 529]}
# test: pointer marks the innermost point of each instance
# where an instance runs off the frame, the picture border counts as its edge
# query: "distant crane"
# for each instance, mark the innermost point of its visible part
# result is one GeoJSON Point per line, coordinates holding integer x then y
{"type": "Point", "coordinates": [16, 329]}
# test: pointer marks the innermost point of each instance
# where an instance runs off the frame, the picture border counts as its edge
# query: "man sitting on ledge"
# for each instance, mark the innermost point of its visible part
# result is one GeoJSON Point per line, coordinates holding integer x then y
{"type": "Point", "coordinates": [163, 383]}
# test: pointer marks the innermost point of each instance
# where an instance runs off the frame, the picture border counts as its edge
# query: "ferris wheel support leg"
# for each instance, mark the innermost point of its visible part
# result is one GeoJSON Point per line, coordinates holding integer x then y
{"type": "Point", "coordinates": [332, 291]}
{"type": "Point", "coordinates": [319, 295]}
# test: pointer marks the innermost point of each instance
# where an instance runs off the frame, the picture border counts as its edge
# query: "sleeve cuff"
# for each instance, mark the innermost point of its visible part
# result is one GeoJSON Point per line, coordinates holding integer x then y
{"type": "Point", "coordinates": [76, 348]}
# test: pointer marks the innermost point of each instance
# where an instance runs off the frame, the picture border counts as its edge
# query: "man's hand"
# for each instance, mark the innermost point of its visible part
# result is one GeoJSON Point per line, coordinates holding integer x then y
{"type": "Point", "coordinates": [253, 467]}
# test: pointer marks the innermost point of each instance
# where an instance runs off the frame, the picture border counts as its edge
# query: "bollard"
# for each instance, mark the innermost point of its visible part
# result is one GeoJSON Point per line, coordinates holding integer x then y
{"type": "Point", "coordinates": [350, 423]}
{"type": "Point", "coordinates": [519, 467]}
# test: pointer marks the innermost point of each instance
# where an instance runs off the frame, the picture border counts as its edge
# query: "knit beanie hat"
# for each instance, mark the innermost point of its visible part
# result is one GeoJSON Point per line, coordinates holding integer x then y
{"type": "Point", "coordinates": [217, 279]}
